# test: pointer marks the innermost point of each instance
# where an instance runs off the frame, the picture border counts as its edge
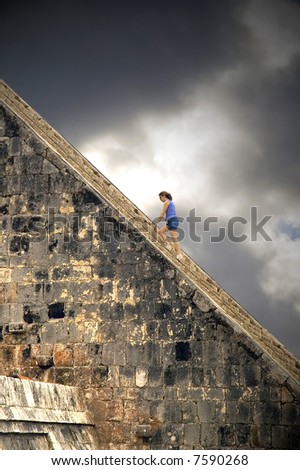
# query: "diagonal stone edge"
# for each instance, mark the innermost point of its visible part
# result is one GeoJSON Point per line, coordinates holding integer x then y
{"type": "Point", "coordinates": [15, 413]}
{"type": "Point", "coordinates": [227, 305]}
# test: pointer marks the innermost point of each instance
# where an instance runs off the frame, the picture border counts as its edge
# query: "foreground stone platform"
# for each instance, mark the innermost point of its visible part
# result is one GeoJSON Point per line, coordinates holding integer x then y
{"type": "Point", "coordinates": [37, 415]}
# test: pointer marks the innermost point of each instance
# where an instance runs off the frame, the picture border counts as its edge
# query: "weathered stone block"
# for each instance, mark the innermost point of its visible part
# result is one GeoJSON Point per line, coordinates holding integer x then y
{"type": "Point", "coordinates": [91, 333]}
{"type": "Point", "coordinates": [155, 375]}
{"type": "Point", "coordinates": [5, 275]}
{"type": "Point", "coordinates": [266, 413]}
{"type": "Point", "coordinates": [100, 375]}
{"type": "Point", "coordinates": [3, 186]}
{"type": "Point", "coordinates": [223, 376]}
{"type": "Point", "coordinates": [170, 376]}
{"type": "Point", "coordinates": [227, 435]}
{"type": "Point", "coordinates": [141, 377]}
{"type": "Point", "coordinates": [157, 409]}
{"type": "Point", "coordinates": [294, 437]}
{"type": "Point", "coordinates": [41, 184]}
{"type": "Point", "coordinates": [3, 150]}
{"type": "Point", "coordinates": [192, 435]}
{"type": "Point", "coordinates": [15, 146]}
{"type": "Point", "coordinates": [151, 329]}
{"type": "Point", "coordinates": [115, 410]}
{"type": "Point", "coordinates": [209, 377]}
{"type": "Point", "coordinates": [252, 376]}
{"type": "Point", "coordinates": [183, 376]}
{"type": "Point", "coordinates": [48, 168]}
{"type": "Point", "coordinates": [202, 302]}
{"type": "Point", "coordinates": [197, 376]}
{"type": "Point", "coordinates": [131, 412]}
{"type": "Point", "coordinates": [53, 332]}
{"type": "Point", "coordinates": [127, 376]}
{"type": "Point", "coordinates": [119, 354]}
{"type": "Point", "coordinates": [211, 353]}
{"type": "Point", "coordinates": [26, 184]}
{"type": "Point", "coordinates": [65, 376]}
{"type": "Point", "coordinates": [197, 352]}
{"type": "Point", "coordinates": [172, 413]}
{"type": "Point", "coordinates": [16, 313]}
{"type": "Point", "coordinates": [20, 165]}
{"type": "Point", "coordinates": [291, 413]}
{"type": "Point", "coordinates": [260, 437]}
{"type": "Point", "coordinates": [108, 353]}
{"type": "Point", "coordinates": [35, 313]}
{"type": "Point", "coordinates": [133, 352]}
{"type": "Point", "coordinates": [75, 334]}
{"type": "Point", "coordinates": [206, 411]}
{"type": "Point", "coordinates": [286, 395]}
{"type": "Point", "coordinates": [13, 185]}
{"type": "Point", "coordinates": [63, 356]}
{"type": "Point", "coordinates": [209, 438]}
{"type": "Point", "coordinates": [34, 165]}
{"type": "Point", "coordinates": [242, 435]}
{"type": "Point", "coordinates": [280, 437]}
{"type": "Point", "coordinates": [214, 393]}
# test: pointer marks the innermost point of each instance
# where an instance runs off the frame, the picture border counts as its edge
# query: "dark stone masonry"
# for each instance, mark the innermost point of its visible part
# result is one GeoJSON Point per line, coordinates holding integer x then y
{"type": "Point", "coordinates": [88, 301]}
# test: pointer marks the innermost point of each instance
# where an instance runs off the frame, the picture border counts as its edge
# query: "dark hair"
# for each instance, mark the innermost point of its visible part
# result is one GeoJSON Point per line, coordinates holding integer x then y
{"type": "Point", "coordinates": [168, 195]}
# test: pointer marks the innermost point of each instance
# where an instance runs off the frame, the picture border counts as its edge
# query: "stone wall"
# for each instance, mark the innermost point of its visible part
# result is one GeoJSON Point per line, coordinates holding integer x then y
{"type": "Point", "coordinates": [41, 416]}
{"type": "Point", "coordinates": [87, 300]}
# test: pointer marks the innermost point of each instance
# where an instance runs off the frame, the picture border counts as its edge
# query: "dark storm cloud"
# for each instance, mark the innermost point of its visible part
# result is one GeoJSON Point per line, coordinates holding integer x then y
{"type": "Point", "coordinates": [267, 102]}
{"type": "Point", "coordinates": [108, 60]}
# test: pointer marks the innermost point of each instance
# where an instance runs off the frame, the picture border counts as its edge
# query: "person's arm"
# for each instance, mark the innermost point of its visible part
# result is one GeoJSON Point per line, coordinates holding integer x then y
{"type": "Point", "coordinates": [163, 212]}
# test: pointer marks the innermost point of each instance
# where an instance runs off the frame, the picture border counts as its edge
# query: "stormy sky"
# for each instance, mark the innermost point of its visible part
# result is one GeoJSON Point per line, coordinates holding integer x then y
{"type": "Point", "coordinates": [198, 98]}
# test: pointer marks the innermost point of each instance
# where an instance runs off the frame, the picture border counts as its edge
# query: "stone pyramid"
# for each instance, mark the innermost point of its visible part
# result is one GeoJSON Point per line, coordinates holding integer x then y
{"type": "Point", "coordinates": [91, 298]}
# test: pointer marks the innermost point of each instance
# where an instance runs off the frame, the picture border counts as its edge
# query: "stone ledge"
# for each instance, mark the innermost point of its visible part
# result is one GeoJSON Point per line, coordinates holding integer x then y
{"type": "Point", "coordinates": [27, 400]}
{"type": "Point", "coordinates": [15, 413]}
{"type": "Point", "coordinates": [29, 394]}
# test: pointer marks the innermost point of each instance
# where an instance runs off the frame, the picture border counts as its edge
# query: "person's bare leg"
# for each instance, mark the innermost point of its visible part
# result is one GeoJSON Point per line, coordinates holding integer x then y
{"type": "Point", "coordinates": [162, 232]}
{"type": "Point", "coordinates": [175, 242]}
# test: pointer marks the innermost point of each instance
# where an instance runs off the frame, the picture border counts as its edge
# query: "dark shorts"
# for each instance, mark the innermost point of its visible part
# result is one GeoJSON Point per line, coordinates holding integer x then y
{"type": "Point", "coordinates": [173, 223]}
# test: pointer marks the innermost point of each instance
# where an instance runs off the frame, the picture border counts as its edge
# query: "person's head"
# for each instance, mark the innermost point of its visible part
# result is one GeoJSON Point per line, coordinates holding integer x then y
{"type": "Point", "coordinates": [163, 195]}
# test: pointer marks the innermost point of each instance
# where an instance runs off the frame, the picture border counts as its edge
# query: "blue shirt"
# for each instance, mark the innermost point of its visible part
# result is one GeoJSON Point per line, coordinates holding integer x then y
{"type": "Point", "coordinates": [171, 211]}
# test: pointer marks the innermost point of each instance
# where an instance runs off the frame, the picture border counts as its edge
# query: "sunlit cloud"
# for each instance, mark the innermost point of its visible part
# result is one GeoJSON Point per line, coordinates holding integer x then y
{"type": "Point", "coordinates": [185, 153]}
